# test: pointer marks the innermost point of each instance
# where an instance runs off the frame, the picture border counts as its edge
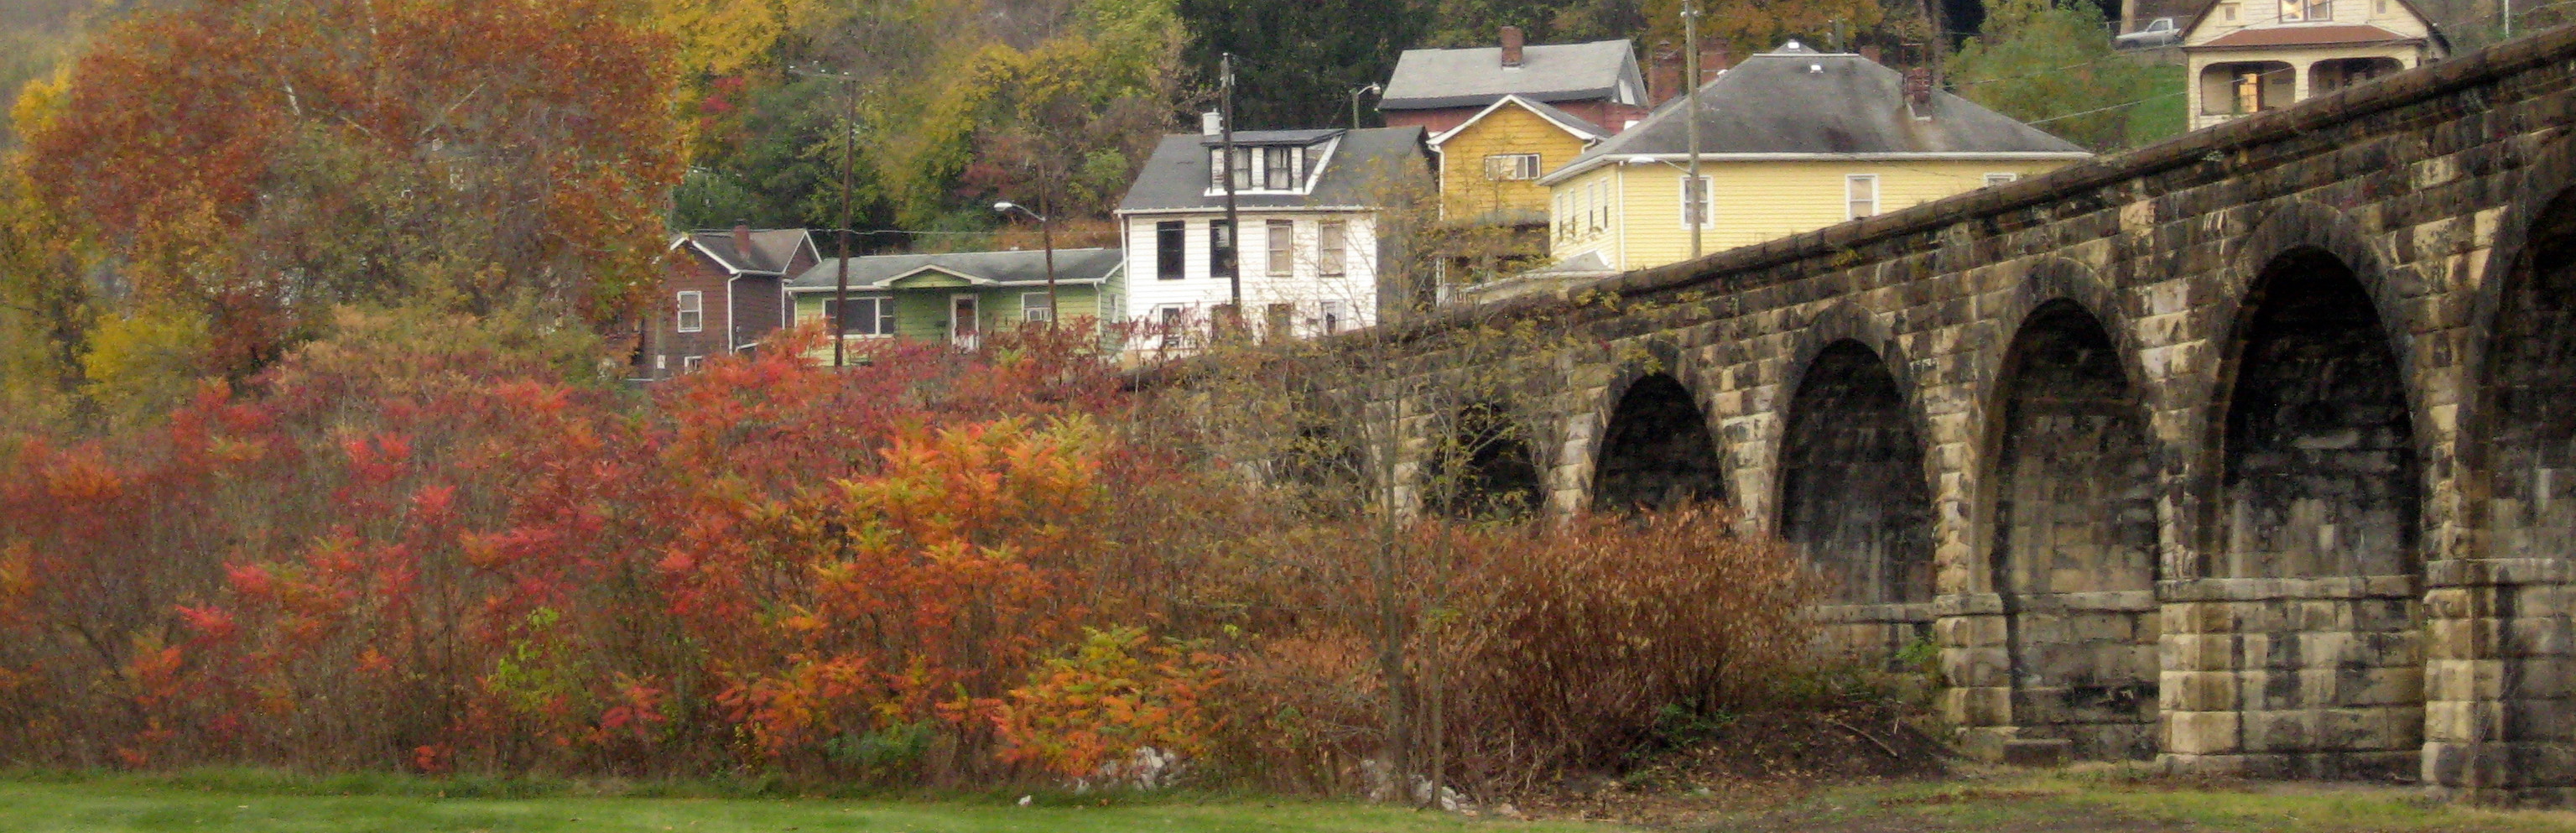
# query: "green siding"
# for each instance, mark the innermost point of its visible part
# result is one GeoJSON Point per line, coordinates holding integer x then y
{"type": "Point", "coordinates": [923, 312]}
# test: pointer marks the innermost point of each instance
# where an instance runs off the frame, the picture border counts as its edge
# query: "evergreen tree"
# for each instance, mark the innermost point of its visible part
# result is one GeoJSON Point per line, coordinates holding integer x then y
{"type": "Point", "coordinates": [1297, 62]}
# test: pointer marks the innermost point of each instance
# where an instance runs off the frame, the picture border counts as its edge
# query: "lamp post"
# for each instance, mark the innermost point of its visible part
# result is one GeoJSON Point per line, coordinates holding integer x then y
{"type": "Point", "coordinates": [1046, 240]}
{"type": "Point", "coordinates": [1356, 92]}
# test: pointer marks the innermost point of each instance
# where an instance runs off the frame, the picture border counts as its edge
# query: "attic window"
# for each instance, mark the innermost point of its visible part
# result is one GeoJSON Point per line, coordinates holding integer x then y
{"type": "Point", "coordinates": [1815, 69]}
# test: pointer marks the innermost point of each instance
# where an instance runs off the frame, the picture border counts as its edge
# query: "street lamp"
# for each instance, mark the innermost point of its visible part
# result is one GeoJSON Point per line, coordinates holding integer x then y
{"type": "Point", "coordinates": [1356, 92]}
{"type": "Point", "coordinates": [1046, 240]}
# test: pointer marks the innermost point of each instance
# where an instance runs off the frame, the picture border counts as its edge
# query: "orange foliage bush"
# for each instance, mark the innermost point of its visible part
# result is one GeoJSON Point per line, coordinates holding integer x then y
{"type": "Point", "coordinates": [434, 543]}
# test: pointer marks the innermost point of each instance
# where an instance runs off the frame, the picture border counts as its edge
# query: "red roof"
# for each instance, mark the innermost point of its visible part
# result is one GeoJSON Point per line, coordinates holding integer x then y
{"type": "Point", "coordinates": [2307, 36]}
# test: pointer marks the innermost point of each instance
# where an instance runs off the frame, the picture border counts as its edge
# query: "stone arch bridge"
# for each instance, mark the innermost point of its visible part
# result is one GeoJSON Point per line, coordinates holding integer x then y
{"type": "Point", "coordinates": [2253, 451]}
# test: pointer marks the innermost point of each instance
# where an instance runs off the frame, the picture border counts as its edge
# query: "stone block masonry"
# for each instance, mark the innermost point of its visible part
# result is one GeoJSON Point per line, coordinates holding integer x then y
{"type": "Point", "coordinates": [2250, 452]}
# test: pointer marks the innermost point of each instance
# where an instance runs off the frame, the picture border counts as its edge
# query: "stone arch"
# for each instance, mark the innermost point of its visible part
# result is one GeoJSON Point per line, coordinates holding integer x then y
{"type": "Point", "coordinates": [2316, 550]}
{"type": "Point", "coordinates": [1655, 451]}
{"type": "Point", "coordinates": [2073, 539]}
{"type": "Point", "coordinates": [2301, 232]}
{"type": "Point", "coordinates": [2519, 445]}
{"type": "Point", "coordinates": [1486, 467]}
{"type": "Point", "coordinates": [1852, 493]}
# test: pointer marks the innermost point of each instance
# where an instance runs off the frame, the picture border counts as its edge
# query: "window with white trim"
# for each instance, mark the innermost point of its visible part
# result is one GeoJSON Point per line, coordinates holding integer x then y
{"type": "Point", "coordinates": [2294, 11]}
{"type": "Point", "coordinates": [1601, 204]}
{"type": "Point", "coordinates": [1695, 201]}
{"type": "Point", "coordinates": [1169, 319]}
{"type": "Point", "coordinates": [1511, 166]}
{"type": "Point", "coordinates": [2001, 178]}
{"type": "Point", "coordinates": [1332, 248]}
{"type": "Point", "coordinates": [1860, 195]}
{"type": "Point", "coordinates": [870, 315]}
{"type": "Point", "coordinates": [1170, 239]}
{"type": "Point", "coordinates": [1332, 317]}
{"type": "Point", "coordinates": [693, 312]}
{"type": "Point", "coordinates": [1036, 306]}
{"type": "Point", "coordinates": [689, 364]}
{"type": "Point", "coordinates": [1281, 235]}
{"type": "Point", "coordinates": [1279, 168]}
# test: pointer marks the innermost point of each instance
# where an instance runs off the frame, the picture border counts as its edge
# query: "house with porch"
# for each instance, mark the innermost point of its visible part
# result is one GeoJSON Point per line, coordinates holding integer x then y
{"type": "Point", "coordinates": [1310, 204]}
{"type": "Point", "coordinates": [2248, 56]}
{"type": "Point", "coordinates": [957, 297]}
{"type": "Point", "coordinates": [721, 292]}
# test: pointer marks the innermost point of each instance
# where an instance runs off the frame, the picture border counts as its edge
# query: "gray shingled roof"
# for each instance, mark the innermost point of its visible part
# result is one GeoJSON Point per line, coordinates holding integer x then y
{"type": "Point", "coordinates": [1176, 176]}
{"type": "Point", "coordinates": [1427, 79]}
{"type": "Point", "coordinates": [1072, 266]}
{"type": "Point", "coordinates": [1830, 104]}
{"type": "Point", "coordinates": [771, 249]}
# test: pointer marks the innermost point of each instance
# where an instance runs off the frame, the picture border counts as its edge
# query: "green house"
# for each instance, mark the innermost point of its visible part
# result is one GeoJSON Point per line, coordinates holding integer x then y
{"type": "Point", "coordinates": [959, 296]}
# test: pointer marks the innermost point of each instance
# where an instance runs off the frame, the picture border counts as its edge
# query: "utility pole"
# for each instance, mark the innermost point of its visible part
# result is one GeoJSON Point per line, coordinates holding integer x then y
{"type": "Point", "coordinates": [1694, 191]}
{"type": "Point", "coordinates": [841, 284]}
{"type": "Point", "coordinates": [1233, 231]}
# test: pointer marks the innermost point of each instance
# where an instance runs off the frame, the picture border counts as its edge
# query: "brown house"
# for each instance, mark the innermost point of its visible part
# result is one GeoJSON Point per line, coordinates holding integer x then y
{"type": "Point", "coordinates": [722, 291]}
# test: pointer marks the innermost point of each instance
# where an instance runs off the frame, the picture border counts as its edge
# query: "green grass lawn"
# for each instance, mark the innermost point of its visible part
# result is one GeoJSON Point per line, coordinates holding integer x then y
{"type": "Point", "coordinates": [46, 804]}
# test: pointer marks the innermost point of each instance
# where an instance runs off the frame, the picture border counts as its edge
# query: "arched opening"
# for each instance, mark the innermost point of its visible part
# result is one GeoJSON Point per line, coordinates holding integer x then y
{"type": "Point", "coordinates": [1852, 495]}
{"type": "Point", "coordinates": [2529, 449]}
{"type": "Point", "coordinates": [2319, 501]}
{"type": "Point", "coordinates": [1486, 470]}
{"type": "Point", "coordinates": [2335, 74]}
{"type": "Point", "coordinates": [1656, 453]}
{"type": "Point", "coordinates": [2075, 539]}
{"type": "Point", "coordinates": [2246, 87]}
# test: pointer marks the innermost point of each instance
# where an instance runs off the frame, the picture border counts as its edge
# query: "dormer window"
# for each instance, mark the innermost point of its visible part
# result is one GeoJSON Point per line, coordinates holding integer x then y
{"type": "Point", "coordinates": [2295, 11]}
{"type": "Point", "coordinates": [1279, 168]}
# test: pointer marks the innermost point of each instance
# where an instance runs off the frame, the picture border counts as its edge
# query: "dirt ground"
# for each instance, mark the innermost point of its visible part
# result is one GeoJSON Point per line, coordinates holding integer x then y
{"type": "Point", "coordinates": [1874, 769]}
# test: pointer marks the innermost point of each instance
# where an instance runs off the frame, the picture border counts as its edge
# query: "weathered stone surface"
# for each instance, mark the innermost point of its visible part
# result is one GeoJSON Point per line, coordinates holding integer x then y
{"type": "Point", "coordinates": [2254, 450]}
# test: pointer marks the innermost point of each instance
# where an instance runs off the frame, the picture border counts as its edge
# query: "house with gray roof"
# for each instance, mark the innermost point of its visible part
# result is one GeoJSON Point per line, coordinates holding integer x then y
{"type": "Point", "coordinates": [720, 294]}
{"type": "Point", "coordinates": [957, 297]}
{"type": "Point", "coordinates": [1790, 140]}
{"type": "Point", "coordinates": [1309, 202]}
{"type": "Point", "coordinates": [1439, 89]}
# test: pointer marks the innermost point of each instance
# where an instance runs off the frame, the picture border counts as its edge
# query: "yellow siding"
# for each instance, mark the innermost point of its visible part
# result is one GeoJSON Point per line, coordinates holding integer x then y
{"type": "Point", "coordinates": [1755, 201]}
{"type": "Point", "coordinates": [1465, 191]}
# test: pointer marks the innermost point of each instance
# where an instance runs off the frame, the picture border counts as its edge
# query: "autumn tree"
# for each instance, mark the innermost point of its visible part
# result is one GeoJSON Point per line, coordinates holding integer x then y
{"type": "Point", "coordinates": [250, 163]}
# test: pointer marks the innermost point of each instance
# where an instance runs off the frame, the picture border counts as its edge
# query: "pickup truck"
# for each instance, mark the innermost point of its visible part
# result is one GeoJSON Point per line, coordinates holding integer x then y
{"type": "Point", "coordinates": [2160, 32]}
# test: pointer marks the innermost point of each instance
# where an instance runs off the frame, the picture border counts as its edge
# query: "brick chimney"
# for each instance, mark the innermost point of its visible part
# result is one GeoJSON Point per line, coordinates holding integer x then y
{"type": "Point", "coordinates": [1713, 59]}
{"type": "Point", "coordinates": [1512, 46]}
{"type": "Point", "coordinates": [742, 244]}
{"type": "Point", "coordinates": [1663, 74]}
{"type": "Point", "coordinates": [1918, 91]}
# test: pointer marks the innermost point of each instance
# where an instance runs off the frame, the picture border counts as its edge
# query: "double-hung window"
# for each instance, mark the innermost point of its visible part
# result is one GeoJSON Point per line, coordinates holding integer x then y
{"type": "Point", "coordinates": [2293, 11]}
{"type": "Point", "coordinates": [1220, 249]}
{"type": "Point", "coordinates": [871, 315]}
{"type": "Point", "coordinates": [693, 312]}
{"type": "Point", "coordinates": [1279, 168]}
{"type": "Point", "coordinates": [1695, 201]}
{"type": "Point", "coordinates": [1036, 306]}
{"type": "Point", "coordinates": [1332, 321]}
{"type": "Point", "coordinates": [1282, 237]}
{"type": "Point", "coordinates": [1860, 193]}
{"type": "Point", "coordinates": [1512, 166]}
{"type": "Point", "coordinates": [1332, 246]}
{"type": "Point", "coordinates": [1171, 239]}
{"type": "Point", "coordinates": [689, 364]}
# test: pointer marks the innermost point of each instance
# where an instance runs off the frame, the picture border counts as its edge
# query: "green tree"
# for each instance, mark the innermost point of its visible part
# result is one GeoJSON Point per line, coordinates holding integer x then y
{"type": "Point", "coordinates": [2047, 62]}
{"type": "Point", "coordinates": [1296, 63]}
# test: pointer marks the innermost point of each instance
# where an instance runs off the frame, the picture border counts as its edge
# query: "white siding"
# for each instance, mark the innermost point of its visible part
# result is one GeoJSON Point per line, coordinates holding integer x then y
{"type": "Point", "coordinates": [1304, 287]}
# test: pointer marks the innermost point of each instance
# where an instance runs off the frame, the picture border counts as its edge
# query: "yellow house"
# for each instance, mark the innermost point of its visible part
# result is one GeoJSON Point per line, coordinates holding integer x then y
{"type": "Point", "coordinates": [2248, 56]}
{"type": "Point", "coordinates": [1790, 141]}
{"type": "Point", "coordinates": [1490, 164]}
